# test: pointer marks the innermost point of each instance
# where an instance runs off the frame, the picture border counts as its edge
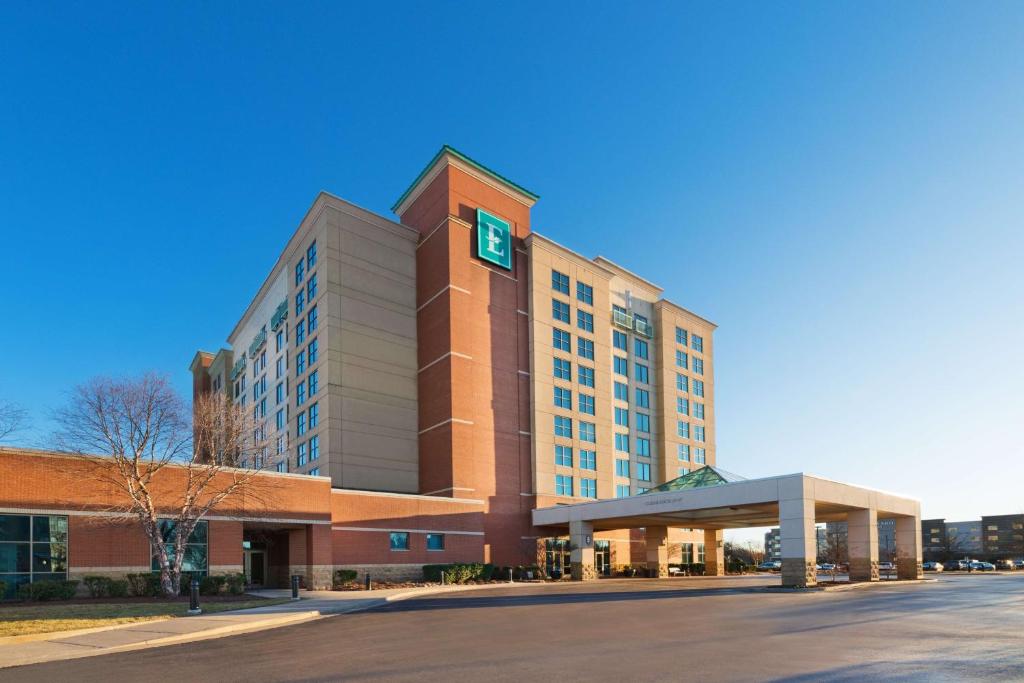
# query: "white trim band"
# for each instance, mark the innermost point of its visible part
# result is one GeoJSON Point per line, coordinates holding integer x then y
{"type": "Point", "coordinates": [407, 531]}
{"type": "Point", "coordinates": [450, 419]}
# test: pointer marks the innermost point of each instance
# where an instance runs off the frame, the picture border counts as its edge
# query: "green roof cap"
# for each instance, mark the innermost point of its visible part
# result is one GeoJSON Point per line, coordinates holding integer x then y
{"type": "Point", "coordinates": [704, 477]}
{"type": "Point", "coordinates": [475, 164]}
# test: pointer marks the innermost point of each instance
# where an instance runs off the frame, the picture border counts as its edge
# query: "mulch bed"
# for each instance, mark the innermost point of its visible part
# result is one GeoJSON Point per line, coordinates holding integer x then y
{"type": "Point", "coordinates": [130, 600]}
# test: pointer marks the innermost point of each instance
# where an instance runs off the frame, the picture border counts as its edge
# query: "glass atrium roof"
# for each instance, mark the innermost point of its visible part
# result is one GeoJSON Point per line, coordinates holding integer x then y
{"type": "Point", "coordinates": [698, 479]}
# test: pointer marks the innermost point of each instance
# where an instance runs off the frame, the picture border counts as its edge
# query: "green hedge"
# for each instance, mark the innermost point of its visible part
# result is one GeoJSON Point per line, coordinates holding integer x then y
{"type": "Point", "coordinates": [344, 576]}
{"type": "Point", "coordinates": [48, 590]}
{"type": "Point", "coordinates": [212, 585]}
{"type": "Point", "coordinates": [144, 585]}
{"type": "Point", "coordinates": [105, 587]}
{"type": "Point", "coordinates": [458, 572]}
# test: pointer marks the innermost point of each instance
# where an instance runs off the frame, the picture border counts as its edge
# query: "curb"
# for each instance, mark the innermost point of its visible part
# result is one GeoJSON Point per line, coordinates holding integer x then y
{"type": "Point", "coordinates": [50, 635]}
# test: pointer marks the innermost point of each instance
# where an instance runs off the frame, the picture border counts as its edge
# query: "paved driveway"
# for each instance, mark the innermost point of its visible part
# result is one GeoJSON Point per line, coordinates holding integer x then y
{"type": "Point", "coordinates": [961, 628]}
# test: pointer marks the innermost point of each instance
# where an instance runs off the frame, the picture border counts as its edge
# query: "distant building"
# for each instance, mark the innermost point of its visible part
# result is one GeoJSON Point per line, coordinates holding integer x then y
{"type": "Point", "coordinates": [965, 536]}
{"type": "Point", "coordinates": [1002, 536]}
{"type": "Point", "coordinates": [772, 546]}
{"type": "Point", "coordinates": [886, 538]}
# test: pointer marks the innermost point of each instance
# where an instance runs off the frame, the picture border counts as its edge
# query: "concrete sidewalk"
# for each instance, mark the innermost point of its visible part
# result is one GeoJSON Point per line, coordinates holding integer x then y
{"type": "Point", "coordinates": [105, 640]}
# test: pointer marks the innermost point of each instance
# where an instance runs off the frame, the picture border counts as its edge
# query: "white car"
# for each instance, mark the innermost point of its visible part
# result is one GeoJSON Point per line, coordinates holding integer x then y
{"type": "Point", "coordinates": [932, 566]}
{"type": "Point", "coordinates": [886, 566]}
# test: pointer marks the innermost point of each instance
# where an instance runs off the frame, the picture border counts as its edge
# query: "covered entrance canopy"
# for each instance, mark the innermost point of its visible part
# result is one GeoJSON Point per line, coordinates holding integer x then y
{"type": "Point", "coordinates": [713, 500]}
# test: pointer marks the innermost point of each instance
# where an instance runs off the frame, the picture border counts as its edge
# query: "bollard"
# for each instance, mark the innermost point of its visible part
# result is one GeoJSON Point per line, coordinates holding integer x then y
{"type": "Point", "coordinates": [193, 598]}
{"type": "Point", "coordinates": [510, 574]}
{"type": "Point", "coordinates": [369, 587]}
{"type": "Point", "coordinates": [442, 577]}
{"type": "Point", "coordinates": [295, 586]}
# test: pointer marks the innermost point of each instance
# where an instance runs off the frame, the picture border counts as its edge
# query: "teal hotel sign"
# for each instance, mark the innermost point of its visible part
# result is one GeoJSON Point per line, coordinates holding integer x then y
{"type": "Point", "coordinates": [493, 239]}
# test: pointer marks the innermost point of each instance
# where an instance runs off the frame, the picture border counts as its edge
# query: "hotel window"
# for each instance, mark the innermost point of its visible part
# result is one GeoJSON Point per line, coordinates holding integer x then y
{"type": "Point", "coordinates": [622, 417]}
{"type": "Point", "coordinates": [640, 348]}
{"type": "Point", "coordinates": [682, 382]}
{"type": "Point", "coordinates": [313, 351]}
{"type": "Point", "coordinates": [282, 444]}
{"type": "Point", "coordinates": [682, 406]}
{"type": "Point", "coordinates": [300, 302]}
{"type": "Point", "coordinates": [587, 432]}
{"type": "Point", "coordinates": [698, 455]}
{"type": "Point", "coordinates": [686, 553]}
{"type": "Point", "coordinates": [698, 387]}
{"type": "Point", "coordinates": [588, 488]}
{"type": "Point", "coordinates": [621, 392]}
{"type": "Point", "coordinates": [300, 271]}
{"type": "Point", "coordinates": [680, 336]}
{"type": "Point", "coordinates": [399, 540]}
{"type": "Point", "coordinates": [280, 367]}
{"type": "Point", "coordinates": [683, 429]}
{"type": "Point", "coordinates": [311, 288]}
{"type": "Point", "coordinates": [563, 398]}
{"type": "Point", "coordinates": [684, 451]}
{"type": "Point", "coordinates": [698, 366]}
{"type": "Point", "coordinates": [314, 415]}
{"type": "Point", "coordinates": [560, 339]}
{"type": "Point", "coordinates": [314, 447]}
{"type": "Point", "coordinates": [32, 548]}
{"type": "Point", "coordinates": [622, 490]}
{"type": "Point", "coordinates": [315, 472]}
{"type": "Point", "coordinates": [311, 255]}
{"type": "Point", "coordinates": [585, 348]}
{"type": "Point", "coordinates": [435, 541]}
{"type": "Point", "coordinates": [682, 472]}
{"type": "Point", "coordinates": [279, 393]}
{"type": "Point", "coordinates": [643, 447]}
{"type": "Point", "coordinates": [588, 460]}
{"type": "Point", "coordinates": [643, 398]}
{"type": "Point", "coordinates": [300, 423]}
{"type": "Point", "coordinates": [563, 456]}
{"type": "Point", "coordinates": [559, 282]}
{"type": "Point", "coordinates": [280, 419]}
{"type": "Point", "coordinates": [560, 310]}
{"type": "Point", "coordinates": [300, 393]}
{"type": "Point", "coordinates": [586, 376]}
{"type": "Point", "coordinates": [643, 471]}
{"type": "Point", "coordinates": [619, 340]}
{"type": "Point", "coordinates": [585, 293]}
{"type": "Point", "coordinates": [586, 404]}
{"type": "Point", "coordinates": [300, 455]}
{"type": "Point", "coordinates": [620, 366]}
{"type": "Point", "coordinates": [681, 359]}
{"type": "Point", "coordinates": [698, 432]}
{"type": "Point", "coordinates": [643, 422]}
{"type": "Point", "coordinates": [585, 321]}
{"type": "Point", "coordinates": [311, 319]}
{"type": "Point", "coordinates": [300, 363]}
{"type": "Point", "coordinates": [281, 466]}
{"type": "Point", "coordinates": [698, 410]}
{"type": "Point", "coordinates": [194, 560]}
{"type": "Point", "coordinates": [697, 343]}
{"type": "Point", "coordinates": [642, 373]}
{"type": "Point", "coordinates": [700, 553]}
{"type": "Point", "coordinates": [300, 331]}
{"type": "Point", "coordinates": [563, 369]}
{"type": "Point", "coordinates": [563, 426]}
{"type": "Point", "coordinates": [563, 485]}
{"type": "Point", "coordinates": [280, 340]}
{"type": "Point", "coordinates": [621, 468]}
{"type": "Point", "coordinates": [622, 443]}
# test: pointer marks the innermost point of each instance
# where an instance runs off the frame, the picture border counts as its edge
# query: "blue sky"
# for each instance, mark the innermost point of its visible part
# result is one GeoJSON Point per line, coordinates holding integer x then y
{"type": "Point", "coordinates": [838, 185]}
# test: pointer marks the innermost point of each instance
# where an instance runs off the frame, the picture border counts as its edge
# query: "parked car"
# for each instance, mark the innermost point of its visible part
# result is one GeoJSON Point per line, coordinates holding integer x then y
{"type": "Point", "coordinates": [886, 566]}
{"type": "Point", "coordinates": [956, 565]}
{"type": "Point", "coordinates": [1018, 564]}
{"type": "Point", "coordinates": [933, 566]}
{"type": "Point", "coordinates": [827, 567]}
{"type": "Point", "coordinates": [770, 566]}
{"type": "Point", "coordinates": [1004, 564]}
{"type": "Point", "coordinates": [982, 566]}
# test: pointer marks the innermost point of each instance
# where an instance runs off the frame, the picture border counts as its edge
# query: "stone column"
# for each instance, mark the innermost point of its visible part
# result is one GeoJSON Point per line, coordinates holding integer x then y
{"type": "Point", "coordinates": [799, 541]}
{"type": "Point", "coordinates": [581, 551]}
{"type": "Point", "coordinates": [656, 541]}
{"type": "Point", "coordinates": [862, 544]}
{"type": "Point", "coordinates": [908, 548]}
{"type": "Point", "coordinates": [714, 553]}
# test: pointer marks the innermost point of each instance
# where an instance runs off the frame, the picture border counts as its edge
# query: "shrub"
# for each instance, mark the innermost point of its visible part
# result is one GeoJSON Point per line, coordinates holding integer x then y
{"type": "Point", "coordinates": [3, 589]}
{"type": "Point", "coordinates": [117, 588]}
{"type": "Point", "coordinates": [458, 572]}
{"type": "Point", "coordinates": [144, 585]}
{"type": "Point", "coordinates": [235, 583]}
{"type": "Point", "coordinates": [97, 586]}
{"type": "Point", "coordinates": [344, 576]}
{"type": "Point", "coordinates": [48, 590]}
{"type": "Point", "coordinates": [212, 585]}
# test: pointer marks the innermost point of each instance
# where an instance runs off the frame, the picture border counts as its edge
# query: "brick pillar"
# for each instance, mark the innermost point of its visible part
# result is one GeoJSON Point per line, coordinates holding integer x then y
{"type": "Point", "coordinates": [656, 542]}
{"type": "Point", "coordinates": [714, 553]}
{"type": "Point", "coordinates": [319, 557]}
{"type": "Point", "coordinates": [297, 556]}
{"type": "Point", "coordinates": [799, 542]}
{"type": "Point", "coordinates": [862, 544]}
{"type": "Point", "coordinates": [581, 551]}
{"type": "Point", "coordinates": [908, 548]}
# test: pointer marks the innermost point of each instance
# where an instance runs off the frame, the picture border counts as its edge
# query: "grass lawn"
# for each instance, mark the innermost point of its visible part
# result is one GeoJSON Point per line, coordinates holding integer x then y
{"type": "Point", "coordinates": [19, 620]}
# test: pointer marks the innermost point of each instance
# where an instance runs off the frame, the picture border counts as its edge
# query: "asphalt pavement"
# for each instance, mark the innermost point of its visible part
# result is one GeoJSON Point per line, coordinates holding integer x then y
{"type": "Point", "coordinates": [961, 628]}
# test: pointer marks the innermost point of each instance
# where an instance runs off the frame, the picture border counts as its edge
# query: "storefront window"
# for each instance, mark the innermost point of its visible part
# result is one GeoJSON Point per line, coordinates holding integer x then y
{"type": "Point", "coordinates": [194, 561]}
{"type": "Point", "coordinates": [32, 548]}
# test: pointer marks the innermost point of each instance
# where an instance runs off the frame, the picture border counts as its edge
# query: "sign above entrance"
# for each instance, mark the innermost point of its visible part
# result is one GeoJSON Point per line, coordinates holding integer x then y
{"type": "Point", "coordinates": [493, 239]}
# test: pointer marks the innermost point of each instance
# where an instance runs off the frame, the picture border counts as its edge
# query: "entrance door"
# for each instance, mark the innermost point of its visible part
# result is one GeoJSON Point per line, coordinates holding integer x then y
{"type": "Point", "coordinates": [602, 558]}
{"type": "Point", "coordinates": [256, 567]}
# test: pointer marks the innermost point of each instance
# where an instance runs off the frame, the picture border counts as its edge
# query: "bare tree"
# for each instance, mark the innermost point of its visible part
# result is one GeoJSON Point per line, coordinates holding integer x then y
{"type": "Point", "coordinates": [12, 419]}
{"type": "Point", "coordinates": [835, 550]}
{"type": "Point", "coordinates": [161, 467]}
